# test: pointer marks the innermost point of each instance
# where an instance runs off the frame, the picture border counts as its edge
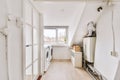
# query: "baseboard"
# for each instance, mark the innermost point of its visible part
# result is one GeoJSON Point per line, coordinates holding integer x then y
{"type": "Point", "coordinates": [61, 60]}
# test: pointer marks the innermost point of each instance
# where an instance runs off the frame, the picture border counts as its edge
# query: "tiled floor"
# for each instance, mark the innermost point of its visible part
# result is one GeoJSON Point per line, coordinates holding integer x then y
{"type": "Point", "coordinates": [65, 71]}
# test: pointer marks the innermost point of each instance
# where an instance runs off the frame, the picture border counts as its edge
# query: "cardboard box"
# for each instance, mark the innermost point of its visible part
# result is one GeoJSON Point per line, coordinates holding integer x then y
{"type": "Point", "coordinates": [77, 48]}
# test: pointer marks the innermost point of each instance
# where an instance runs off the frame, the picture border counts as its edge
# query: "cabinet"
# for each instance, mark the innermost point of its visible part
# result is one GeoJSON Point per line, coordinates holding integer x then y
{"type": "Point", "coordinates": [89, 48]}
{"type": "Point", "coordinates": [76, 58]}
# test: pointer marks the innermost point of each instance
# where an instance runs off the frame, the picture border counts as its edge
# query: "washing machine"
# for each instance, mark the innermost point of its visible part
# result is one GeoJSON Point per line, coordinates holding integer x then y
{"type": "Point", "coordinates": [48, 56]}
{"type": "Point", "coordinates": [50, 53]}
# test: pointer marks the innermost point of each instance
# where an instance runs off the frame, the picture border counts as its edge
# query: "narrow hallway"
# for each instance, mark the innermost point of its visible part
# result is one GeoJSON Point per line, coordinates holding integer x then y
{"type": "Point", "coordinates": [59, 39]}
{"type": "Point", "coordinates": [64, 70]}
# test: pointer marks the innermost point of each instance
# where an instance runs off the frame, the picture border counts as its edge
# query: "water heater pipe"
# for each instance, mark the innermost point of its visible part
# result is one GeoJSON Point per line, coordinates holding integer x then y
{"type": "Point", "coordinates": [113, 52]}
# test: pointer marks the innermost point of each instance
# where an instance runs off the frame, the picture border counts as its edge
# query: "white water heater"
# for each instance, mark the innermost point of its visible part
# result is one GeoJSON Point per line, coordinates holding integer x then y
{"type": "Point", "coordinates": [89, 48]}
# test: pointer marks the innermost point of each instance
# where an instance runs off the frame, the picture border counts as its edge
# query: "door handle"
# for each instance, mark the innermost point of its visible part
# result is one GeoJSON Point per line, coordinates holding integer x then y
{"type": "Point", "coordinates": [28, 45]}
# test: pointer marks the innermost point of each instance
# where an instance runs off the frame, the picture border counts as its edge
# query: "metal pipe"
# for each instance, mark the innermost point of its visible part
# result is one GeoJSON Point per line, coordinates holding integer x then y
{"type": "Point", "coordinates": [113, 53]}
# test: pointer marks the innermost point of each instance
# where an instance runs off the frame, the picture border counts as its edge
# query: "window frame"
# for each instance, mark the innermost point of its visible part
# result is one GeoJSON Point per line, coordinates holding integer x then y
{"type": "Point", "coordinates": [56, 28]}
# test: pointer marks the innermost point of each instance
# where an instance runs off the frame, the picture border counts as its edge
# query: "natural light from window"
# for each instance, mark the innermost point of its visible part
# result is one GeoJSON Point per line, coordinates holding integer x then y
{"type": "Point", "coordinates": [49, 35]}
{"type": "Point", "coordinates": [55, 35]}
{"type": "Point", "coordinates": [61, 35]}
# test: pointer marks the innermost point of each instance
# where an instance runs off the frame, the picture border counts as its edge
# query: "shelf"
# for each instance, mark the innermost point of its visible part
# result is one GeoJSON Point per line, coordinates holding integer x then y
{"type": "Point", "coordinates": [76, 58]}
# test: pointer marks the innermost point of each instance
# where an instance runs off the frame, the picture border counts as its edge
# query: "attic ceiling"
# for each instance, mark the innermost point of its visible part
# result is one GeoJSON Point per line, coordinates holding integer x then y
{"type": "Point", "coordinates": [58, 13]}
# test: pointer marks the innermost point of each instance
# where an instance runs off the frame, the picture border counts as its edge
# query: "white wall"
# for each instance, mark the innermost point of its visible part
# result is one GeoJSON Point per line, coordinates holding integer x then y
{"type": "Point", "coordinates": [90, 14]}
{"type": "Point", "coordinates": [61, 52]}
{"type": "Point", "coordinates": [105, 63]}
{"type": "Point", "coordinates": [3, 13]}
{"type": "Point", "coordinates": [14, 52]}
{"type": "Point", "coordinates": [117, 77]}
{"type": "Point", "coordinates": [3, 58]}
{"type": "Point", "coordinates": [15, 7]}
{"type": "Point", "coordinates": [14, 41]}
{"type": "Point", "coordinates": [75, 23]}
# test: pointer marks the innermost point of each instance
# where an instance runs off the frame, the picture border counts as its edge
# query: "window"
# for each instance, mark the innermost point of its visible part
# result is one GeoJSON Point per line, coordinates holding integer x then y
{"type": "Point", "coordinates": [55, 34]}
{"type": "Point", "coordinates": [50, 35]}
{"type": "Point", "coordinates": [61, 35]}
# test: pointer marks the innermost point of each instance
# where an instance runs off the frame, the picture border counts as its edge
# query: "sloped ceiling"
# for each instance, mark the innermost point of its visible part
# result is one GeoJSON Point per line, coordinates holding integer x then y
{"type": "Point", "coordinates": [58, 13]}
{"type": "Point", "coordinates": [90, 14]}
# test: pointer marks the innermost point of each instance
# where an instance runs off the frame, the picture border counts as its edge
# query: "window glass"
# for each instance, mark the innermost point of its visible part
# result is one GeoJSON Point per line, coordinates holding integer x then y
{"type": "Point", "coordinates": [28, 33]}
{"type": "Point", "coordinates": [50, 35]}
{"type": "Point", "coordinates": [28, 73]}
{"type": "Point", "coordinates": [35, 52]}
{"type": "Point", "coordinates": [28, 56]}
{"type": "Point", "coordinates": [61, 35]}
{"type": "Point", "coordinates": [55, 35]}
{"type": "Point", "coordinates": [35, 69]}
{"type": "Point", "coordinates": [35, 36]}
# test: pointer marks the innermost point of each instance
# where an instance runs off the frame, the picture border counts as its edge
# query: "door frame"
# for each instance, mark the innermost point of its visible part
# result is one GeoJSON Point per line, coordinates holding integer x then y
{"type": "Point", "coordinates": [24, 46]}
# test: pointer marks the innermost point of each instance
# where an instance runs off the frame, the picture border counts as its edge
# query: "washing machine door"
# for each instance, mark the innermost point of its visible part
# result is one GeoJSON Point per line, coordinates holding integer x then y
{"type": "Point", "coordinates": [51, 53]}
{"type": "Point", "coordinates": [47, 59]}
{"type": "Point", "coordinates": [47, 55]}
